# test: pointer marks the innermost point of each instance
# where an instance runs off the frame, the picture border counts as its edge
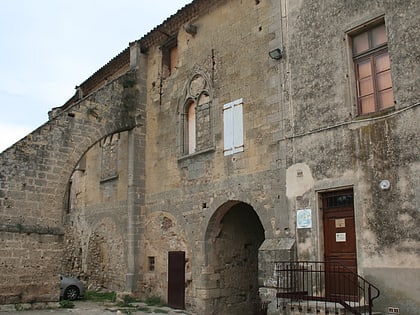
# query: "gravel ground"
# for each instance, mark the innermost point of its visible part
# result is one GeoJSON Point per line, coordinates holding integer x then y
{"type": "Point", "coordinates": [97, 308]}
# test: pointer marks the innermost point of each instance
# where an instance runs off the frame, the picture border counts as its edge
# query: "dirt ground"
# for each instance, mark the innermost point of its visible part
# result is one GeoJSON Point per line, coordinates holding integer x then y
{"type": "Point", "coordinates": [99, 308]}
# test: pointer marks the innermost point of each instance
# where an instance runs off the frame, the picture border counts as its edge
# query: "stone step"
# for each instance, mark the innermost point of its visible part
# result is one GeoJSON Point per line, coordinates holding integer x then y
{"type": "Point", "coordinates": [320, 308]}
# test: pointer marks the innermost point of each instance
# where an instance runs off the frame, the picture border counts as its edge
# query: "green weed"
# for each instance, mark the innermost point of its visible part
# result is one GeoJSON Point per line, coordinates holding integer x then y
{"type": "Point", "coordinates": [96, 296]}
{"type": "Point", "coordinates": [153, 301]}
{"type": "Point", "coordinates": [66, 304]}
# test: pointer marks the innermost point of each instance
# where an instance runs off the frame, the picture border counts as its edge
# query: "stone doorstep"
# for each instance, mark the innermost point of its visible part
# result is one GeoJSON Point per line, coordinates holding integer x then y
{"type": "Point", "coordinates": [320, 308]}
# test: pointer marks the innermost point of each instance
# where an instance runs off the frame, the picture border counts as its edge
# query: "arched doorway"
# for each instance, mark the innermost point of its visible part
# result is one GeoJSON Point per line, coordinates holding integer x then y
{"type": "Point", "coordinates": [233, 237]}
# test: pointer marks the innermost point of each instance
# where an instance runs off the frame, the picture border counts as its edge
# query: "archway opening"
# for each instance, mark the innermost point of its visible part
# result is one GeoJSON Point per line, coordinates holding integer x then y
{"type": "Point", "coordinates": [234, 235]}
{"type": "Point", "coordinates": [95, 217]}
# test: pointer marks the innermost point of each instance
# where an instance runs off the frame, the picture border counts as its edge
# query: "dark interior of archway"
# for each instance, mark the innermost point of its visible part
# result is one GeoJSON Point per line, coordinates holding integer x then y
{"type": "Point", "coordinates": [235, 255]}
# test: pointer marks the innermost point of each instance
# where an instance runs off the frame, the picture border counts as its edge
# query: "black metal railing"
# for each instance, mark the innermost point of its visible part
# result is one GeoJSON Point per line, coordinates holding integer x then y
{"type": "Point", "coordinates": [316, 284]}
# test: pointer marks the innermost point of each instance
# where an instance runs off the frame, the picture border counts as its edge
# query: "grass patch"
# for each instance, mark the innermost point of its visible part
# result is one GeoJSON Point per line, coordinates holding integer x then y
{"type": "Point", "coordinates": [160, 311]}
{"type": "Point", "coordinates": [96, 296]}
{"type": "Point", "coordinates": [153, 301]}
{"type": "Point", "coordinates": [127, 300]}
{"type": "Point", "coordinates": [18, 307]}
{"type": "Point", "coordinates": [66, 304]}
{"type": "Point", "coordinates": [144, 309]}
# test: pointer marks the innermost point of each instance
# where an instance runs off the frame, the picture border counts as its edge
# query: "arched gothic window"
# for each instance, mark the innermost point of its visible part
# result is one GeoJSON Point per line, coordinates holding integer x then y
{"type": "Point", "coordinates": [196, 116]}
{"type": "Point", "coordinates": [190, 125]}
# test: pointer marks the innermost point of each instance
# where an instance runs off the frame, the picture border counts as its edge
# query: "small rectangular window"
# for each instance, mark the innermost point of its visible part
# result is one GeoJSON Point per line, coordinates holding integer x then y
{"type": "Point", "coordinates": [173, 55]}
{"type": "Point", "coordinates": [109, 157]}
{"type": "Point", "coordinates": [373, 70]}
{"type": "Point", "coordinates": [151, 263]}
{"type": "Point", "coordinates": [169, 57]}
{"type": "Point", "coordinates": [233, 127]}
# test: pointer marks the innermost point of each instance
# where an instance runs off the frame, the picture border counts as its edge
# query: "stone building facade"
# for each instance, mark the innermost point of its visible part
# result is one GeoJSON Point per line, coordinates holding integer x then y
{"type": "Point", "coordinates": [180, 164]}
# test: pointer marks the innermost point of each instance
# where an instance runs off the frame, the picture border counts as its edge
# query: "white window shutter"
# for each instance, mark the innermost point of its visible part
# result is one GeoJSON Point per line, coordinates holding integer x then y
{"type": "Point", "coordinates": [228, 129]}
{"type": "Point", "coordinates": [233, 127]}
{"type": "Point", "coordinates": [238, 132]}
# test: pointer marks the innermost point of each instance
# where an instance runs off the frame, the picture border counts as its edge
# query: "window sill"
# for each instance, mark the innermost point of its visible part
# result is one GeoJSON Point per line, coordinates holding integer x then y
{"type": "Point", "coordinates": [198, 153]}
{"type": "Point", "coordinates": [108, 179]}
{"type": "Point", "coordinates": [375, 114]}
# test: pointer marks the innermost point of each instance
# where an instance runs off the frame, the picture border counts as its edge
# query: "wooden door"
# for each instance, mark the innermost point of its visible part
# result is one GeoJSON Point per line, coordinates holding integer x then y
{"type": "Point", "coordinates": [176, 279]}
{"type": "Point", "coordinates": [339, 244]}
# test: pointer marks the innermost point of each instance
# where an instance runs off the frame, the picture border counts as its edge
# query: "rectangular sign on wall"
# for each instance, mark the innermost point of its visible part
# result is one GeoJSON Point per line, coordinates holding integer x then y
{"type": "Point", "coordinates": [304, 219]}
{"type": "Point", "coordinates": [340, 223]}
{"type": "Point", "coordinates": [340, 237]}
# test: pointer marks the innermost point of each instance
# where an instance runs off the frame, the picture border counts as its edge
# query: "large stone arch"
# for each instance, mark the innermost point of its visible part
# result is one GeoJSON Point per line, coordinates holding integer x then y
{"type": "Point", "coordinates": [42, 162]}
{"type": "Point", "coordinates": [232, 239]}
{"type": "Point", "coordinates": [34, 174]}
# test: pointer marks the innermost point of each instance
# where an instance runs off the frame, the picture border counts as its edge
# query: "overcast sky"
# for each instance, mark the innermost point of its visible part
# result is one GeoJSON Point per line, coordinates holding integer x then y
{"type": "Point", "coordinates": [47, 47]}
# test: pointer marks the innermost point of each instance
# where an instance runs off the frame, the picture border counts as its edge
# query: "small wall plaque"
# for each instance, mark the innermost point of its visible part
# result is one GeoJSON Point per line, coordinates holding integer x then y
{"type": "Point", "coordinates": [304, 219]}
{"type": "Point", "coordinates": [340, 237]}
{"type": "Point", "coordinates": [340, 223]}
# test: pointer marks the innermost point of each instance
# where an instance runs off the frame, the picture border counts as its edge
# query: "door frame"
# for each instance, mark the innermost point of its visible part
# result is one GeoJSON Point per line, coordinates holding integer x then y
{"type": "Point", "coordinates": [321, 228]}
{"type": "Point", "coordinates": [320, 224]}
{"type": "Point", "coordinates": [176, 279]}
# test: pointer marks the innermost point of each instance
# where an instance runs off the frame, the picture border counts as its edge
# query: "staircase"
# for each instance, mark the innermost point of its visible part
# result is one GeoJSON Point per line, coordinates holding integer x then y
{"type": "Point", "coordinates": [322, 288]}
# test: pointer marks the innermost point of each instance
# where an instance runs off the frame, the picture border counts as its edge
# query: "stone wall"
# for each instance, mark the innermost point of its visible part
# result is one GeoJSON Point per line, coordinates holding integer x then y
{"type": "Point", "coordinates": [230, 51]}
{"type": "Point", "coordinates": [302, 132]}
{"type": "Point", "coordinates": [33, 187]}
{"type": "Point", "coordinates": [28, 257]}
{"type": "Point", "coordinates": [302, 137]}
{"type": "Point", "coordinates": [330, 147]}
{"type": "Point", "coordinates": [163, 233]}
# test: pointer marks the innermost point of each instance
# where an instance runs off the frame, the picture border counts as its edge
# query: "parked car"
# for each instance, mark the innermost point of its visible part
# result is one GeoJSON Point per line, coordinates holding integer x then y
{"type": "Point", "coordinates": [71, 288]}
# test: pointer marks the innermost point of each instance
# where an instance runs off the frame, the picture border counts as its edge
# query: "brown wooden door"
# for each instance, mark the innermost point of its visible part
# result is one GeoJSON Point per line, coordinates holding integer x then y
{"type": "Point", "coordinates": [176, 279]}
{"type": "Point", "coordinates": [339, 244]}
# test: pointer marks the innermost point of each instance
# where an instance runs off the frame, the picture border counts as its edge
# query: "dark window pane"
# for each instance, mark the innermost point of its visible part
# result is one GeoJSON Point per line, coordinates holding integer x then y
{"type": "Point", "coordinates": [386, 99]}
{"type": "Point", "coordinates": [360, 43]}
{"type": "Point", "coordinates": [365, 87]}
{"type": "Point", "coordinates": [382, 62]}
{"type": "Point", "coordinates": [364, 69]}
{"type": "Point", "coordinates": [340, 201]}
{"type": "Point", "coordinates": [367, 104]}
{"type": "Point", "coordinates": [383, 81]}
{"type": "Point", "coordinates": [378, 36]}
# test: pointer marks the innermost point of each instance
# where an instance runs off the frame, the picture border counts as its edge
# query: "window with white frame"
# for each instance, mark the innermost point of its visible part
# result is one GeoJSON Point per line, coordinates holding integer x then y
{"type": "Point", "coordinates": [233, 127]}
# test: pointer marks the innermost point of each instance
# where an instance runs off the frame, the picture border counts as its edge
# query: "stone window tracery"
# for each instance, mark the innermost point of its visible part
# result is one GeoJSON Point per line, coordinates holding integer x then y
{"type": "Point", "coordinates": [109, 157]}
{"type": "Point", "coordinates": [196, 116]}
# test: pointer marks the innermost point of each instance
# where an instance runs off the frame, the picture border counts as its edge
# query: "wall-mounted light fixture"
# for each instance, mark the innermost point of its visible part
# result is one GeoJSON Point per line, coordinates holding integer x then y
{"type": "Point", "coordinates": [276, 54]}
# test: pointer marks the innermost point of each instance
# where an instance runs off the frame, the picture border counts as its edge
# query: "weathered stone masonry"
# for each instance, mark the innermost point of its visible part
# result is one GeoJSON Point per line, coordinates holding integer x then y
{"type": "Point", "coordinates": [34, 178]}
{"type": "Point", "coordinates": [111, 184]}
